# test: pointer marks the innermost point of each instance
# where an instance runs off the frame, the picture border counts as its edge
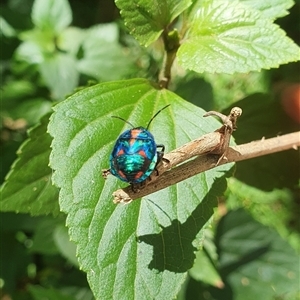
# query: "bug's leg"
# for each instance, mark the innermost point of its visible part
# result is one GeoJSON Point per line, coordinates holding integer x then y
{"type": "Point", "coordinates": [162, 147]}
{"type": "Point", "coordinates": [157, 173]}
{"type": "Point", "coordinates": [160, 153]}
{"type": "Point", "coordinates": [160, 156]}
{"type": "Point", "coordinates": [133, 187]}
{"type": "Point", "coordinates": [105, 173]}
{"type": "Point", "coordinates": [136, 186]}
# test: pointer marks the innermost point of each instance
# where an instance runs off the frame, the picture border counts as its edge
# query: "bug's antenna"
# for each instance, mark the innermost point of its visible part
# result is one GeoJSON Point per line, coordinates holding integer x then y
{"type": "Point", "coordinates": [156, 115]}
{"type": "Point", "coordinates": [123, 120]}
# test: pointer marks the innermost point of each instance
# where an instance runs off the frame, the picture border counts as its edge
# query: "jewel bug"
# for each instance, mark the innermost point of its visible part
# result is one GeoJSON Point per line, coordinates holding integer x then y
{"type": "Point", "coordinates": [135, 154]}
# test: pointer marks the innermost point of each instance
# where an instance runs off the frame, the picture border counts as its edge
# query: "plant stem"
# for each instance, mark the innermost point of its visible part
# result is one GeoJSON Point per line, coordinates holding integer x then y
{"type": "Point", "coordinates": [205, 162]}
{"type": "Point", "coordinates": [171, 43]}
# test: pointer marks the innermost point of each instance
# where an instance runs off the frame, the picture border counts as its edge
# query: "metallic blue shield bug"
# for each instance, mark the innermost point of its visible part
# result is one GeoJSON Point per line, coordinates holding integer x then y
{"type": "Point", "coordinates": [135, 154]}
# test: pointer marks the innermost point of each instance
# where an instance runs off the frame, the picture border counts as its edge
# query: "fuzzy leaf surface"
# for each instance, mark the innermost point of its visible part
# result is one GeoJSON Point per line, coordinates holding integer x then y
{"type": "Point", "coordinates": [271, 9]}
{"type": "Point", "coordinates": [147, 19]}
{"type": "Point", "coordinates": [228, 37]}
{"type": "Point", "coordinates": [28, 187]}
{"type": "Point", "coordinates": [141, 250]}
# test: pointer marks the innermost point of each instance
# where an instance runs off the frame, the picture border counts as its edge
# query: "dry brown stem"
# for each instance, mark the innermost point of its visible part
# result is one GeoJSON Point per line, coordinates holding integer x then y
{"type": "Point", "coordinates": [209, 161]}
{"type": "Point", "coordinates": [202, 154]}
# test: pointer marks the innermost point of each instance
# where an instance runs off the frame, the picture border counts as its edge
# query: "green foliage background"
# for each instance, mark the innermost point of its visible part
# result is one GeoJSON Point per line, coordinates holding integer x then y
{"type": "Point", "coordinates": [66, 68]}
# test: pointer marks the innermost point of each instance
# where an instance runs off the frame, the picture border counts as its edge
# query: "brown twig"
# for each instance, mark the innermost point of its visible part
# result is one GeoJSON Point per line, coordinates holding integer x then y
{"type": "Point", "coordinates": [206, 162]}
{"type": "Point", "coordinates": [202, 154]}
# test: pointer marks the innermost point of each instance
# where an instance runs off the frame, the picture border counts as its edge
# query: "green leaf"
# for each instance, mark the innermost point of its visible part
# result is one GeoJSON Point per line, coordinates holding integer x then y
{"type": "Point", "coordinates": [65, 246]}
{"type": "Point", "coordinates": [204, 269]}
{"type": "Point", "coordinates": [38, 293]}
{"type": "Point", "coordinates": [228, 89]}
{"type": "Point", "coordinates": [197, 91]}
{"type": "Point", "coordinates": [30, 109]}
{"type": "Point", "coordinates": [147, 19]}
{"type": "Point", "coordinates": [227, 37]}
{"type": "Point", "coordinates": [70, 40]}
{"type": "Point", "coordinates": [78, 293]}
{"type": "Point", "coordinates": [276, 175]}
{"type": "Point", "coordinates": [28, 187]}
{"type": "Point", "coordinates": [144, 249]}
{"type": "Point", "coordinates": [254, 260]}
{"type": "Point", "coordinates": [6, 29]}
{"type": "Point", "coordinates": [51, 15]}
{"type": "Point", "coordinates": [271, 9]}
{"type": "Point", "coordinates": [16, 89]}
{"type": "Point", "coordinates": [42, 241]}
{"type": "Point", "coordinates": [30, 52]}
{"type": "Point", "coordinates": [12, 250]}
{"type": "Point", "coordinates": [103, 56]}
{"type": "Point", "coordinates": [276, 208]}
{"type": "Point", "coordinates": [60, 74]}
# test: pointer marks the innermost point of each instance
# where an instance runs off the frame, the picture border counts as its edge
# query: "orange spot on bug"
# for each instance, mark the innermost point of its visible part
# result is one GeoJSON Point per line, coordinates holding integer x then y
{"type": "Point", "coordinates": [142, 153]}
{"type": "Point", "coordinates": [121, 174]}
{"type": "Point", "coordinates": [121, 151]}
{"type": "Point", "coordinates": [138, 175]}
{"type": "Point", "coordinates": [135, 133]}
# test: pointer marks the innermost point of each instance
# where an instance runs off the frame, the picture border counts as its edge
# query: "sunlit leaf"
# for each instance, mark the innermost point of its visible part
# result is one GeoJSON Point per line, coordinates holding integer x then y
{"type": "Point", "coordinates": [270, 8]}
{"type": "Point", "coordinates": [60, 74]}
{"type": "Point", "coordinates": [6, 29]}
{"type": "Point", "coordinates": [147, 19]}
{"type": "Point", "coordinates": [52, 15]}
{"type": "Point", "coordinates": [204, 268]}
{"type": "Point", "coordinates": [227, 37]}
{"type": "Point", "coordinates": [152, 240]}
{"type": "Point", "coordinates": [103, 56]}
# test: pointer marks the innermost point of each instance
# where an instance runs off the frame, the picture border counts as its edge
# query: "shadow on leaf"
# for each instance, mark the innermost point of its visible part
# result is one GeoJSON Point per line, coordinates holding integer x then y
{"type": "Point", "coordinates": [172, 247]}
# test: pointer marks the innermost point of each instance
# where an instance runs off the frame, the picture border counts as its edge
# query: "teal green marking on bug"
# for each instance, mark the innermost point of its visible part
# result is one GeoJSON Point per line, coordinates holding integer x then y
{"type": "Point", "coordinates": [135, 156]}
